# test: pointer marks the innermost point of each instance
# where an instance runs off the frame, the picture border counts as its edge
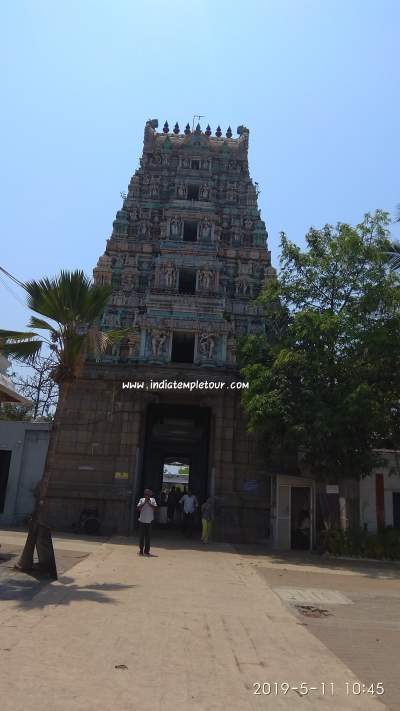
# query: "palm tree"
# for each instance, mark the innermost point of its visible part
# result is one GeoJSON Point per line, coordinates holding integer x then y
{"type": "Point", "coordinates": [69, 307]}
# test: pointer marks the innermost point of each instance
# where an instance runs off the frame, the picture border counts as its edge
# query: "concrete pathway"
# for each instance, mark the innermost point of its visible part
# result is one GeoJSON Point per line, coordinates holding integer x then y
{"type": "Point", "coordinates": [190, 628]}
{"type": "Point", "coordinates": [364, 634]}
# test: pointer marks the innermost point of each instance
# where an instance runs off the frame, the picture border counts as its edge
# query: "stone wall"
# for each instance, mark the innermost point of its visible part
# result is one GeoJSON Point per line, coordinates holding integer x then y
{"type": "Point", "coordinates": [103, 433]}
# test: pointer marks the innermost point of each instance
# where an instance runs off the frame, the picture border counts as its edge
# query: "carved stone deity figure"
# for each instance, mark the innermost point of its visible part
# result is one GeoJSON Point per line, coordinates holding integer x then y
{"type": "Point", "coordinates": [181, 191]}
{"type": "Point", "coordinates": [205, 229]}
{"type": "Point", "coordinates": [231, 193]}
{"type": "Point", "coordinates": [127, 279]}
{"type": "Point", "coordinates": [243, 287]}
{"type": "Point", "coordinates": [143, 229]}
{"type": "Point", "coordinates": [231, 349]}
{"type": "Point", "coordinates": [154, 190]}
{"type": "Point", "coordinates": [207, 345]}
{"type": "Point", "coordinates": [156, 228]}
{"type": "Point", "coordinates": [112, 320]}
{"type": "Point", "coordinates": [158, 340]}
{"type": "Point", "coordinates": [132, 343]}
{"type": "Point", "coordinates": [119, 299]}
{"type": "Point", "coordinates": [206, 279]}
{"type": "Point", "coordinates": [169, 275]}
{"type": "Point", "coordinates": [204, 192]}
{"type": "Point", "coordinates": [176, 227]}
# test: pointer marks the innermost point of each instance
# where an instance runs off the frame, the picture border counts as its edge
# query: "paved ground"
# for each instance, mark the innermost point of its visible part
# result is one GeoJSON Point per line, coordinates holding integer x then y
{"type": "Point", "coordinates": [190, 628]}
{"type": "Point", "coordinates": [365, 635]}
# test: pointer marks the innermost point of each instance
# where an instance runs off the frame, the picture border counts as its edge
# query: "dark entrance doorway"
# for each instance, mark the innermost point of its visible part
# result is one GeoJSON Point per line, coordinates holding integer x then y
{"type": "Point", "coordinates": [396, 509]}
{"type": "Point", "coordinates": [5, 458]}
{"type": "Point", "coordinates": [300, 517]}
{"type": "Point", "coordinates": [176, 433]}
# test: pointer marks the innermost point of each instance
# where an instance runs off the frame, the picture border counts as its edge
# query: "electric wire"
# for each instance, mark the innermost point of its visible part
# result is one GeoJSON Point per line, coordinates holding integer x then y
{"type": "Point", "coordinates": [13, 278]}
{"type": "Point", "coordinates": [4, 283]}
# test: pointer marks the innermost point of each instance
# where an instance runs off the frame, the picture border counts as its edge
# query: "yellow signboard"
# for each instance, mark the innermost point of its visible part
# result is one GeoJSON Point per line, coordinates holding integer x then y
{"type": "Point", "coordinates": [121, 475]}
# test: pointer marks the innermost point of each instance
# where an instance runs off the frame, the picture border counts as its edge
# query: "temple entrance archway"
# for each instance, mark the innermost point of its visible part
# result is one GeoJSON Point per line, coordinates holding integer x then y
{"type": "Point", "coordinates": [177, 433]}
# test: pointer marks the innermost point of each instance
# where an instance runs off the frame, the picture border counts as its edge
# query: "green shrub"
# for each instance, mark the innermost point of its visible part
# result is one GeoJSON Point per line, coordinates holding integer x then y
{"type": "Point", "coordinates": [391, 543]}
{"type": "Point", "coordinates": [357, 542]}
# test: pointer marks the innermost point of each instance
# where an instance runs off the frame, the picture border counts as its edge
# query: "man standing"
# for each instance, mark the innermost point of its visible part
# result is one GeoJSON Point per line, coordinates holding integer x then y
{"type": "Point", "coordinates": [189, 504]}
{"type": "Point", "coordinates": [146, 507]}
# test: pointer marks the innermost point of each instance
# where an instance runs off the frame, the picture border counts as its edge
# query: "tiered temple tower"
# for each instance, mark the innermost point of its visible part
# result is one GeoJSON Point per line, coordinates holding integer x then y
{"type": "Point", "coordinates": [186, 258]}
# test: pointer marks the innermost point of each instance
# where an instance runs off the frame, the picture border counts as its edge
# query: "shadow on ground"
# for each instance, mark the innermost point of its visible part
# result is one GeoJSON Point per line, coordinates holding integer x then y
{"type": "Point", "coordinates": [174, 540]}
{"type": "Point", "coordinates": [6, 557]}
{"type": "Point", "coordinates": [26, 592]}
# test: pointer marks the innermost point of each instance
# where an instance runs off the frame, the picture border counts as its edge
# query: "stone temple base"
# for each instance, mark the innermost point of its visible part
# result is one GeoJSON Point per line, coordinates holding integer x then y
{"type": "Point", "coordinates": [111, 443]}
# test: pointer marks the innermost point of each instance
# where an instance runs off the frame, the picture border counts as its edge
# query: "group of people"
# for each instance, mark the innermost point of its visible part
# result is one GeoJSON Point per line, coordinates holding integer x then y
{"type": "Point", "coordinates": [189, 506]}
{"type": "Point", "coordinates": [181, 503]}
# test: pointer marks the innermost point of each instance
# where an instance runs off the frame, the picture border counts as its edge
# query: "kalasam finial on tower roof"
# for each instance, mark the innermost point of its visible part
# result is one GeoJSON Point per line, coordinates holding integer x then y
{"type": "Point", "coordinates": [166, 127]}
{"type": "Point", "coordinates": [208, 130]}
{"type": "Point", "coordinates": [218, 132]}
{"type": "Point", "coordinates": [229, 132]}
{"type": "Point", "coordinates": [187, 130]}
{"type": "Point", "coordinates": [176, 128]}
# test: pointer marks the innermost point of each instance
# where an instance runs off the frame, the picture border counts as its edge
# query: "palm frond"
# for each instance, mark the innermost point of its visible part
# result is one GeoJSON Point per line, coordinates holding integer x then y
{"type": "Point", "coordinates": [26, 352]}
{"type": "Point", "coordinates": [68, 307]}
{"type": "Point", "coordinates": [16, 336]}
{"type": "Point", "coordinates": [117, 336]}
{"type": "Point", "coordinates": [96, 341]}
{"type": "Point", "coordinates": [35, 322]}
{"type": "Point", "coordinates": [394, 256]}
{"type": "Point", "coordinates": [70, 298]}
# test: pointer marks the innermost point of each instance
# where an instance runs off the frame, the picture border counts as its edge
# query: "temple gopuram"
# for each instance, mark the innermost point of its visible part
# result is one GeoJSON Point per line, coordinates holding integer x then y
{"type": "Point", "coordinates": [186, 259]}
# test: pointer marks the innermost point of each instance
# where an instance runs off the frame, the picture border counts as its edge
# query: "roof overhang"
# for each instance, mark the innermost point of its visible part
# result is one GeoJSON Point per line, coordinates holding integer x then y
{"type": "Point", "coordinates": [9, 394]}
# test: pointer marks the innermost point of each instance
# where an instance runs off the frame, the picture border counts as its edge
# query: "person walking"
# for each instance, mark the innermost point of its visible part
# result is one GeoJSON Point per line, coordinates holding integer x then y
{"type": "Point", "coordinates": [171, 504]}
{"type": "Point", "coordinates": [207, 515]}
{"type": "Point", "coordinates": [189, 505]}
{"type": "Point", "coordinates": [146, 508]}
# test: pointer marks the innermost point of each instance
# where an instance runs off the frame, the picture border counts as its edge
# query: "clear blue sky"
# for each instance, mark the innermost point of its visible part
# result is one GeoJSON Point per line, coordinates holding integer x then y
{"type": "Point", "coordinates": [316, 82]}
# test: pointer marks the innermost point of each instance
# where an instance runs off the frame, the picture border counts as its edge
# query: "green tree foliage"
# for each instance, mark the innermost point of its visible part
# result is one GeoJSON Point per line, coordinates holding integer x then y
{"type": "Point", "coordinates": [325, 379]}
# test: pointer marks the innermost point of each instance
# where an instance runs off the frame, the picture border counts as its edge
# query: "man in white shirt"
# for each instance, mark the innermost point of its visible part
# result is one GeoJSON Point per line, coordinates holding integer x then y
{"type": "Point", "coordinates": [146, 508]}
{"type": "Point", "coordinates": [189, 505]}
